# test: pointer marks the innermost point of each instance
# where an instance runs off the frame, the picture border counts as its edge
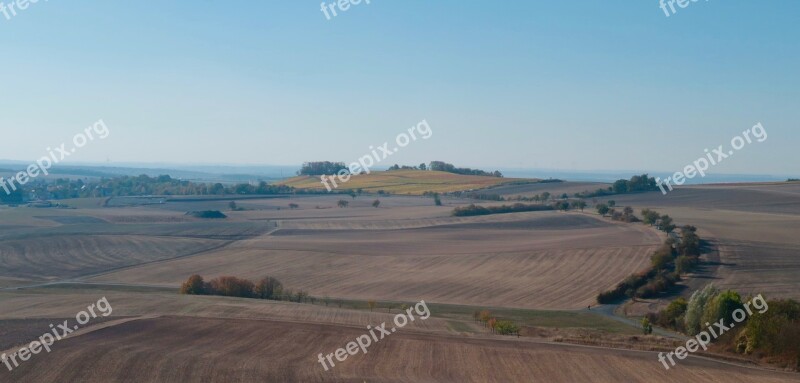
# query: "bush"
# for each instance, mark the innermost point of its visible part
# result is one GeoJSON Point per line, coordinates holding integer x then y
{"type": "Point", "coordinates": [213, 214]}
{"type": "Point", "coordinates": [672, 316]}
{"type": "Point", "coordinates": [506, 327]}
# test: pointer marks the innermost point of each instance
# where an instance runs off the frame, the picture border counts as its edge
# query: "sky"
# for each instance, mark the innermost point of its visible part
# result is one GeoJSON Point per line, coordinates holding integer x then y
{"type": "Point", "coordinates": [572, 85]}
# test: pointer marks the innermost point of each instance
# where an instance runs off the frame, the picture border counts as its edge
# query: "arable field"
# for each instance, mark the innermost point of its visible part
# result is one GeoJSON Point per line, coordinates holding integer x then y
{"type": "Point", "coordinates": [180, 348]}
{"type": "Point", "coordinates": [541, 269]}
{"type": "Point", "coordinates": [531, 260]}
{"type": "Point", "coordinates": [754, 226]}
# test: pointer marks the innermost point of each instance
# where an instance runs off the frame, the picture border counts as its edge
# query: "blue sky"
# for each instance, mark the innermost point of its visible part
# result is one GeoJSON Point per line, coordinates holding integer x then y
{"type": "Point", "coordinates": [574, 85]}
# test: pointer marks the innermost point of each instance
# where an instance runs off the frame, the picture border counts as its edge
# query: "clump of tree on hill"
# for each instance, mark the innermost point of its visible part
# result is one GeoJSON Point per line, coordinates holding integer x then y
{"type": "Point", "coordinates": [450, 168]}
{"type": "Point", "coordinates": [266, 288]}
{"type": "Point", "coordinates": [473, 209]}
{"type": "Point", "coordinates": [637, 184]}
{"type": "Point", "coordinates": [321, 168]}
{"type": "Point", "coordinates": [771, 329]}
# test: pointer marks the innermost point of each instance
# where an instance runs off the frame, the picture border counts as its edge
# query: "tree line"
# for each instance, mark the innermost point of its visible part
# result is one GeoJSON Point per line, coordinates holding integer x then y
{"type": "Point", "coordinates": [142, 185]}
{"type": "Point", "coordinates": [472, 209]}
{"type": "Point", "coordinates": [228, 286]}
{"type": "Point", "coordinates": [667, 263]}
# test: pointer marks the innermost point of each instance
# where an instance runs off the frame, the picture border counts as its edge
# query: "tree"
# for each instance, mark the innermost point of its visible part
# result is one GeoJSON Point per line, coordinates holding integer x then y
{"type": "Point", "coordinates": [722, 306]}
{"type": "Point", "coordinates": [422, 166]}
{"type": "Point", "coordinates": [545, 196]}
{"type": "Point", "coordinates": [268, 288]}
{"type": "Point", "coordinates": [232, 205]}
{"type": "Point", "coordinates": [302, 296]}
{"type": "Point", "coordinates": [612, 203]}
{"type": "Point", "coordinates": [650, 217]}
{"type": "Point", "coordinates": [293, 206]}
{"type": "Point", "coordinates": [696, 308]}
{"type": "Point", "coordinates": [193, 286]}
{"type": "Point", "coordinates": [376, 203]}
{"type": "Point", "coordinates": [485, 315]}
{"type": "Point", "coordinates": [647, 328]}
{"type": "Point", "coordinates": [492, 323]}
{"type": "Point", "coordinates": [436, 200]}
{"type": "Point", "coordinates": [602, 209]}
{"type": "Point", "coordinates": [371, 305]}
{"type": "Point", "coordinates": [580, 204]}
{"type": "Point", "coordinates": [352, 194]}
{"type": "Point", "coordinates": [342, 203]}
{"type": "Point", "coordinates": [666, 224]}
{"type": "Point", "coordinates": [232, 287]}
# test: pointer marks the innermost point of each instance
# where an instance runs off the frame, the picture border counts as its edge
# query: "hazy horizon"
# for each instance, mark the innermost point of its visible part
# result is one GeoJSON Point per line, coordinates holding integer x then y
{"type": "Point", "coordinates": [511, 86]}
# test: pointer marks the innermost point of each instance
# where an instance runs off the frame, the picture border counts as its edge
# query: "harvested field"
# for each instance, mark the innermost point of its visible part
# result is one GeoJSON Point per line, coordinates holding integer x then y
{"type": "Point", "coordinates": [753, 226]}
{"type": "Point", "coordinates": [179, 349]}
{"type": "Point", "coordinates": [75, 255]}
{"type": "Point", "coordinates": [534, 262]}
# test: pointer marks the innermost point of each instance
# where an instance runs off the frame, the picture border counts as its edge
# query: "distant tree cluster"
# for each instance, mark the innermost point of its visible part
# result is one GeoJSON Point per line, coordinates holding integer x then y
{"type": "Point", "coordinates": [636, 184]}
{"type": "Point", "coordinates": [405, 167]}
{"type": "Point", "coordinates": [473, 209]}
{"type": "Point", "coordinates": [321, 168]}
{"type": "Point", "coordinates": [142, 185]}
{"type": "Point", "coordinates": [502, 327]}
{"type": "Point", "coordinates": [209, 214]}
{"type": "Point", "coordinates": [266, 288]}
{"type": "Point", "coordinates": [626, 215]}
{"type": "Point", "coordinates": [450, 168]}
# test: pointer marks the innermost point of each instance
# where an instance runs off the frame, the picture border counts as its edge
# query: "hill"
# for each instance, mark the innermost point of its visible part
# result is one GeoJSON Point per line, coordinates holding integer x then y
{"type": "Point", "coordinates": [413, 182]}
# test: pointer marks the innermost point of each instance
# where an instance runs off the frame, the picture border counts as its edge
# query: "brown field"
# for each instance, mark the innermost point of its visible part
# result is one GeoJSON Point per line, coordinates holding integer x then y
{"type": "Point", "coordinates": [403, 251]}
{"type": "Point", "coordinates": [538, 260]}
{"type": "Point", "coordinates": [182, 349]}
{"type": "Point", "coordinates": [754, 226]}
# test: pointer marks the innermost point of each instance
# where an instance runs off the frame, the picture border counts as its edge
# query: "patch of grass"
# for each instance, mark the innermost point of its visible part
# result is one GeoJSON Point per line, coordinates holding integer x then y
{"type": "Point", "coordinates": [459, 326]}
{"type": "Point", "coordinates": [522, 317]}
